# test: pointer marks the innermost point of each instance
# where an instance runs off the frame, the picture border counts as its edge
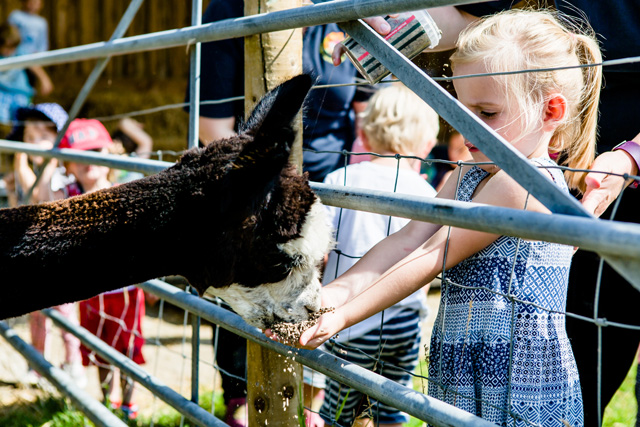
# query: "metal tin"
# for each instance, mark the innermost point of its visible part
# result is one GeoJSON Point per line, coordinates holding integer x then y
{"type": "Point", "coordinates": [411, 33]}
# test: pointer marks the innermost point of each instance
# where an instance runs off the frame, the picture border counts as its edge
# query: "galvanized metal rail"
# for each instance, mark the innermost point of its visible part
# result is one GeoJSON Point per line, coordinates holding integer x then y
{"type": "Point", "coordinates": [318, 14]}
{"type": "Point", "coordinates": [405, 399]}
{"type": "Point", "coordinates": [94, 410]}
{"type": "Point", "coordinates": [612, 238]}
{"type": "Point", "coordinates": [189, 409]}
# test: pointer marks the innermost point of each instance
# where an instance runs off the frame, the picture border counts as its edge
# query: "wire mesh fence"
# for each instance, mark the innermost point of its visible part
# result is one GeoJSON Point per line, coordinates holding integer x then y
{"type": "Point", "coordinates": [207, 379]}
{"type": "Point", "coordinates": [181, 352]}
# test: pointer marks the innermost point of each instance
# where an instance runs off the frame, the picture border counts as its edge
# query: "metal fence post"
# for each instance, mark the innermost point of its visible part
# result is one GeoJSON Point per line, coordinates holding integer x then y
{"type": "Point", "coordinates": [194, 79]}
{"type": "Point", "coordinates": [195, 354]}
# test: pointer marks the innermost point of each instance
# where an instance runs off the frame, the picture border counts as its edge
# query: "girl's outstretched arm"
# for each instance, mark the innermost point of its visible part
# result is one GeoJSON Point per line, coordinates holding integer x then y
{"type": "Point", "coordinates": [413, 271]}
{"type": "Point", "coordinates": [382, 257]}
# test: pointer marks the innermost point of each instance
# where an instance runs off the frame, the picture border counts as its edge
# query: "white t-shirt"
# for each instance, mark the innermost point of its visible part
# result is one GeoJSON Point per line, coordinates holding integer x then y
{"type": "Point", "coordinates": [359, 231]}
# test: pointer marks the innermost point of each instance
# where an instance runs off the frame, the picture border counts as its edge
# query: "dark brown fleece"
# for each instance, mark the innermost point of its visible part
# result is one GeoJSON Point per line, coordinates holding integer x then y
{"type": "Point", "coordinates": [216, 217]}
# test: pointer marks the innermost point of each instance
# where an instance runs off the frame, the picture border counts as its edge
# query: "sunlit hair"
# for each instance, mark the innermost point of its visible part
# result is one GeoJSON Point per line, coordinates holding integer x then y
{"type": "Point", "coordinates": [526, 39]}
{"type": "Point", "coordinates": [397, 120]}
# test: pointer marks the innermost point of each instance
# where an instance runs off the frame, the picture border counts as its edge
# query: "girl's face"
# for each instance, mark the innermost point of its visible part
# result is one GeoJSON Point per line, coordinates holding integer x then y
{"type": "Point", "coordinates": [42, 134]}
{"type": "Point", "coordinates": [33, 6]}
{"type": "Point", "coordinates": [88, 175]}
{"type": "Point", "coordinates": [484, 97]}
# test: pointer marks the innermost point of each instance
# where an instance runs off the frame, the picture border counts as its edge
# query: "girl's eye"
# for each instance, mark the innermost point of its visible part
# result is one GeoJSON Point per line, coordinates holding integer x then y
{"type": "Point", "coordinates": [487, 114]}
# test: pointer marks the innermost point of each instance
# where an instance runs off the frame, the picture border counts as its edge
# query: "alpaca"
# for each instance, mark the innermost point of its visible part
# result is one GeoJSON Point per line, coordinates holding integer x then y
{"type": "Point", "coordinates": [235, 218]}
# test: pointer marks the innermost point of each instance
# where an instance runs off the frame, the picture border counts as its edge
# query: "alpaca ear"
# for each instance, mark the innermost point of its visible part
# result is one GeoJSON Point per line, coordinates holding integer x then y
{"type": "Point", "coordinates": [271, 123]}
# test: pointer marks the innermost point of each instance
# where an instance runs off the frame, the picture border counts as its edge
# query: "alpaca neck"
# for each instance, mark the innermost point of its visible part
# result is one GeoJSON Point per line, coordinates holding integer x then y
{"type": "Point", "coordinates": [77, 248]}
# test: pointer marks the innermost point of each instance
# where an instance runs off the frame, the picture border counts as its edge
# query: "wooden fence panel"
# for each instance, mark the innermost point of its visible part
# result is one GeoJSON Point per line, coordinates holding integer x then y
{"type": "Point", "coordinates": [73, 23]}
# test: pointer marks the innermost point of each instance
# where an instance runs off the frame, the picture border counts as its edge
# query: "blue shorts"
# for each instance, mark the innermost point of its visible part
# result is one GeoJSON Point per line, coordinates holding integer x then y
{"type": "Point", "coordinates": [398, 346]}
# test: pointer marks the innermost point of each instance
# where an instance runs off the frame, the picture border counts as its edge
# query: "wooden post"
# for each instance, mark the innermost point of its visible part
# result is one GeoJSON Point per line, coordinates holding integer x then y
{"type": "Point", "coordinates": [274, 382]}
{"type": "Point", "coordinates": [270, 59]}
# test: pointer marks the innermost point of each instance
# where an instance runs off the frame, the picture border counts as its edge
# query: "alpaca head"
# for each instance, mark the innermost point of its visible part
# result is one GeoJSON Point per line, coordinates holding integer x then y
{"type": "Point", "coordinates": [294, 291]}
{"type": "Point", "coordinates": [272, 232]}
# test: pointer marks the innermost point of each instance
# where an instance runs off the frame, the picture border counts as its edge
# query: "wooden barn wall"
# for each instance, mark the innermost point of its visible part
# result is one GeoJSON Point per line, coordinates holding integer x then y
{"type": "Point", "coordinates": [78, 22]}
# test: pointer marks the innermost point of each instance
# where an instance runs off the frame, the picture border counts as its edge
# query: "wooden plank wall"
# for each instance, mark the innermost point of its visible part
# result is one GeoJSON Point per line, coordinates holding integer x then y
{"type": "Point", "coordinates": [78, 22]}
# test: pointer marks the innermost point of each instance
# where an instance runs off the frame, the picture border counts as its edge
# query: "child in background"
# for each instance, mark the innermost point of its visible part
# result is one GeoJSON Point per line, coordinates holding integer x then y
{"type": "Point", "coordinates": [129, 139]}
{"type": "Point", "coordinates": [115, 317]}
{"type": "Point", "coordinates": [16, 89]}
{"type": "Point", "coordinates": [39, 125]}
{"type": "Point", "coordinates": [135, 141]}
{"type": "Point", "coordinates": [396, 121]}
{"type": "Point", "coordinates": [34, 38]}
{"type": "Point", "coordinates": [508, 367]}
{"type": "Point", "coordinates": [34, 29]}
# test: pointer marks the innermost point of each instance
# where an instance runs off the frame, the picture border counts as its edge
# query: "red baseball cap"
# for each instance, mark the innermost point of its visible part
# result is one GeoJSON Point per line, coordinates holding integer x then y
{"type": "Point", "coordinates": [86, 134]}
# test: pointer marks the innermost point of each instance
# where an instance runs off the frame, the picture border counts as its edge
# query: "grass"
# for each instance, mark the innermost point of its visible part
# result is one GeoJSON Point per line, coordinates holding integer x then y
{"type": "Point", "coordinates": [54, 411]}
{"type": "Point", "coordinates": [49, 411]}
{"type": "Point", "coordinates": [622, 410]}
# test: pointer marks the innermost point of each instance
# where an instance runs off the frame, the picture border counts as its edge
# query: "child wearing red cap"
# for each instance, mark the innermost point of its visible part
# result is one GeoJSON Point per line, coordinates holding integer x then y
{"type": "Point", "coordinates": [39, 125]}
{"type": "Point", "coordinates": [116, 316]}
{"type": "Point", "coordinates": [86, 135]}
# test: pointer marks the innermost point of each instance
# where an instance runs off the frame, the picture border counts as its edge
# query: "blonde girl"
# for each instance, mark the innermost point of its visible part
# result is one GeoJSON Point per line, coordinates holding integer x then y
{"type": "Point", "coordinates": [499, 347]}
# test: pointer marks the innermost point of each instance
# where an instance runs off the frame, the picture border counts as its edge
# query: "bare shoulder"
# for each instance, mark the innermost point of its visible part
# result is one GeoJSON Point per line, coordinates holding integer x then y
{"type": "Point", "coordinates": [502, 190]}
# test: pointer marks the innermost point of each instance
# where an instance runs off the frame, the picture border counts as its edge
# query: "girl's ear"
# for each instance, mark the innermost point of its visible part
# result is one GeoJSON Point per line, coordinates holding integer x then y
{"type": "Point", "coordinates": [555, 111]}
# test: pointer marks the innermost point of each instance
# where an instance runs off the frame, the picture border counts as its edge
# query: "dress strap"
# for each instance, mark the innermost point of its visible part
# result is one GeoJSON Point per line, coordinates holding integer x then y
{"type": "Point", "coordinates": [469, 183]}
{"type": "Point", "coordinates": [552, 168]}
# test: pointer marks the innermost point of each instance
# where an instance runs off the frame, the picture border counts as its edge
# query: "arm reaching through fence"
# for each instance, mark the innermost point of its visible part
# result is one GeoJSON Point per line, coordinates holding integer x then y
{"type": "Point", "coordinates": [364, 290]}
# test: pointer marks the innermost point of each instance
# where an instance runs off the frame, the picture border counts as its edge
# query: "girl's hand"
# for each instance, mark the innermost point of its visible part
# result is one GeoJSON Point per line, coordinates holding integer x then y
{"type": "Point", "coordinates": [329, 296]}
{"type": "Point", "coordinates": [378, 23]}
{"type": "Point", "coordinates": [328, 325]}
{"type": "Point", "coordinates": [603, 189]}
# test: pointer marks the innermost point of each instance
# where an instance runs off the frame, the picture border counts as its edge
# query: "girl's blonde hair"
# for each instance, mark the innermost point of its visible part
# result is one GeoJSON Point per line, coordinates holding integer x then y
{"type": "Point", "coordinates": [529, 40]}
{"type": "Point", "coordinates": [399, 121]}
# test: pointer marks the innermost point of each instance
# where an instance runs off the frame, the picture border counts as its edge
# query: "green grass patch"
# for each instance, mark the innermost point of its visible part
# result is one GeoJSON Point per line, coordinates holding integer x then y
{"type": "Point", "coordinates": [622, 410]}
{"type": "Point", "coordinates": [54, 411]}
{"type": "Point", "coordinates": [169, 417]}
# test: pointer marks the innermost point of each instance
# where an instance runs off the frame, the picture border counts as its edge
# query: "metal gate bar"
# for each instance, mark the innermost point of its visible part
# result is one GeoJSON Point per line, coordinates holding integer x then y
{"type": "Point", "coordinates": [404, 398]}
{"type": "Point", "coordinates": [334, 11]}
{"type": "Point", "coordinates": [94, 410]}
{"type": "Point", "coordinates": [189, 409]}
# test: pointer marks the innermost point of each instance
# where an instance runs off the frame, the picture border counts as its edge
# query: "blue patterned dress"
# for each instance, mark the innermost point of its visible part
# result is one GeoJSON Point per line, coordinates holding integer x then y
{"type": "Point", "coordinates": [478, 331]}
